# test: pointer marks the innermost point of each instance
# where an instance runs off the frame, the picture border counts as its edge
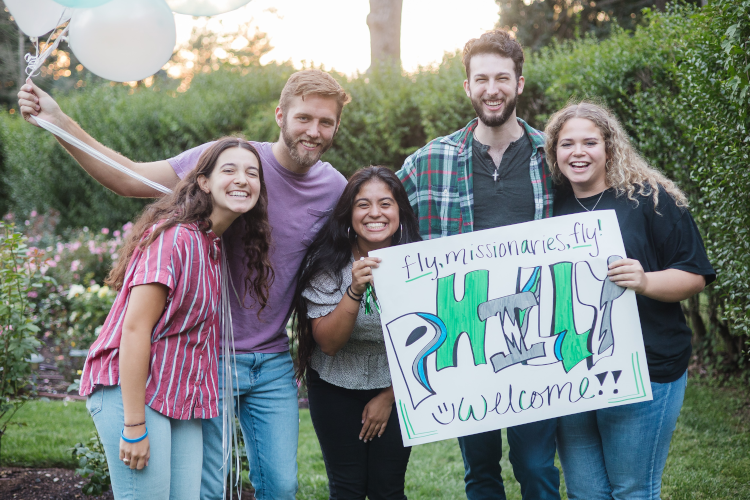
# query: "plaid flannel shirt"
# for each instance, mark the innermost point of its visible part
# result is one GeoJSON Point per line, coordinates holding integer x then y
{"type": "Point", "coordinates": [438, 179]}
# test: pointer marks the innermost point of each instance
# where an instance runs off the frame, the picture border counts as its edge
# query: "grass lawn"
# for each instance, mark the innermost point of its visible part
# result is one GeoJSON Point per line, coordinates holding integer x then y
{"type": "Point", "coordinates": [709, 458]}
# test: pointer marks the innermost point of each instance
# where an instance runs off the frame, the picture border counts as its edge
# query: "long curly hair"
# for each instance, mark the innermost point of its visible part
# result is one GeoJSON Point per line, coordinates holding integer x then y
{"type": "Point", "coordinates": [188, 204]}
{"type": "Point", "coordinates": [331, 250]}
{"type": "Point", "coordinates": [626, 170]}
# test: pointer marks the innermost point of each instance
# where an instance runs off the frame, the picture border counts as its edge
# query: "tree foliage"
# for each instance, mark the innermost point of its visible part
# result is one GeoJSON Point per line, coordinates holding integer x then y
{"type": "Point", "coordinates": [537, 22]}
{"type": "Point", "coordinates": [678, 82]}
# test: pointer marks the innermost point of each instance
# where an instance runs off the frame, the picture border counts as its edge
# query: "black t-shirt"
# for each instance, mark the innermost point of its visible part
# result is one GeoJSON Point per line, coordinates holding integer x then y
{"type": "Point", "coordinates": [510, 198]}
{"type": "Point", "coordinates": [665, 240]}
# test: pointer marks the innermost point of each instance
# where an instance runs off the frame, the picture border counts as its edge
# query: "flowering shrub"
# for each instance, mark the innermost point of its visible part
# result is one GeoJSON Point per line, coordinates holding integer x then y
{"type": "Point", "coordinates": [88, 308]}
{"type": "Point", "coordinates": [19, 277]}
{"type": "Point", "coordinates": [72, 305]}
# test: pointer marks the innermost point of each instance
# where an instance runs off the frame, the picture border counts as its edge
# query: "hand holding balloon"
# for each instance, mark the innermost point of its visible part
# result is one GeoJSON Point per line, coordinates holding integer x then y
{"type": "Point", "coordinates": [33, 101]}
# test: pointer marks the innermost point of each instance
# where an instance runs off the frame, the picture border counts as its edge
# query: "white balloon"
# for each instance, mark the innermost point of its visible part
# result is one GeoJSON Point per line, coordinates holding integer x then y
{"type": "Point", "coordinates": [37, 17]}
{"type": "Point", "coordinates": [205, 7]}
{"type": "Point", "coordinates": [124, 40]}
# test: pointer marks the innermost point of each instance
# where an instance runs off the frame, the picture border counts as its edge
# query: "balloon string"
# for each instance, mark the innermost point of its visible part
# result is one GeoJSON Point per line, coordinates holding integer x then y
{"type": "Point", "coordinates": [33, 63]}
{"type": "Point", "coordinates": [99, 156]}
{"type": "Point", "coordinates": [230, 434]}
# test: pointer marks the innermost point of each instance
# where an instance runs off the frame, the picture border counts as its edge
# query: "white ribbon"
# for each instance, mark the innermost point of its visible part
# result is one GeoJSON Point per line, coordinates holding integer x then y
{"type": "Point", "coordinates": [230, 436]}
{"type": "Point", "coordinates": [37, 61]}
{"type": "Point", "coordinates": [70, 139]}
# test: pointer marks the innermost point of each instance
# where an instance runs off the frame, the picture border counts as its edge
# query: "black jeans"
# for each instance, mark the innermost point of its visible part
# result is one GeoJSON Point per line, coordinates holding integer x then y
{"type": "Point", "coordinates": [356, 469]}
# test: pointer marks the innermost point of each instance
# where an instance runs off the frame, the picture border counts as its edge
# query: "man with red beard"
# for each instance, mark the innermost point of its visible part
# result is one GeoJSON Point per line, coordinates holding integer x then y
{"type": "Point", "coordinates": [302, 192]}
{"type": "Point", "coordinates": [490, 173]}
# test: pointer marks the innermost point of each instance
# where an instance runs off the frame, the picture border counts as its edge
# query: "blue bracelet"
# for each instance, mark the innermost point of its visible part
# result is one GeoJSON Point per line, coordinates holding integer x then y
{"type": "Point", "coordinates": [136, 440]}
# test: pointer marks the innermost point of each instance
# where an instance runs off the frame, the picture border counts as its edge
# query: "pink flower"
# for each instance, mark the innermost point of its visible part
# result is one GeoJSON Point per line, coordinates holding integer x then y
{"type": "Point", "coordinates": [32, 294]}
{"type": "Point", "coordinates": [105, 230]}
{"type": "Point", "coordinates": [75, 265]}
{"type": "Point", "coordinates": [116, 233]}
{"type": "Point", "coordinates": [33, 213]}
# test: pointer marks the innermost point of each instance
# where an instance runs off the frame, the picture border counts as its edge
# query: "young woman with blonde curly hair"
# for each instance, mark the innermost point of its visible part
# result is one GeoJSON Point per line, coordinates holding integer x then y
{"type": "Point", "coordinates": [620, 452]}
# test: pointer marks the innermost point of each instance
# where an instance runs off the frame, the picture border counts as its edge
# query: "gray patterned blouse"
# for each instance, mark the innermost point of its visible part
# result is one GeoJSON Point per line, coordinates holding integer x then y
{"type": "Point", "coordinates": [362, 363]}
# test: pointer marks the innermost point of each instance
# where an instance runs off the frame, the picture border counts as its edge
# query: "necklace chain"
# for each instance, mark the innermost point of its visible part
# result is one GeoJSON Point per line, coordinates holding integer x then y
{"type": "Point", "coordinates": [595, 204]}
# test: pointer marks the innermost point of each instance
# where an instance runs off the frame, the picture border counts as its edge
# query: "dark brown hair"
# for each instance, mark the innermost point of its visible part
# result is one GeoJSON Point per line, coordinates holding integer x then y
{"type": "Point", "coordinates": [331, 250]}
{"type": "Point", "coordinates": [188, 204]}
{"type": "Point", "coordinates": [494, 42]}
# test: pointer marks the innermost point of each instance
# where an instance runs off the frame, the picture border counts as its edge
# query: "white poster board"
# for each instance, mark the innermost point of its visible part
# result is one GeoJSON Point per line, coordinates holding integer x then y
{"type": "Point", "coordinates": [511, 325]}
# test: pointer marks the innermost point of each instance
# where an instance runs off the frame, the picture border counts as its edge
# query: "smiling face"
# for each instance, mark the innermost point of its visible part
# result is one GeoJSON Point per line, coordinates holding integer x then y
{"type": "Point", "coordinates": [374, 216]}
{"type": "Point", "coordinates": [582, 156]}
{"type": "Point", "coordinates": [234, 185]}
{"type": "Point", "coordinates": [307, 128]}
{"type": "Point", "coordinates": [493, 88]}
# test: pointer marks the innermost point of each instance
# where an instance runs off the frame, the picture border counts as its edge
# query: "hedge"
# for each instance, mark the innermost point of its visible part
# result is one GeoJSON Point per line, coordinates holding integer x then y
{"type": "Point", "coordinates": [679, 83]}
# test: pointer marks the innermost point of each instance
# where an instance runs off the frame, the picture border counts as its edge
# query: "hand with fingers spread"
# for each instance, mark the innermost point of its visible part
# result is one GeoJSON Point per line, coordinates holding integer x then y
{"type": "Point", "coordinates": [376, 414]}
{"type": "Point", "coordinates": [362, 273]}
{"type": "Point", "coordinates": [135, 455]}
{"type": "Point", "coordinates": [33, 102]}
{"type": "Point", "coordinates": [628, 273]}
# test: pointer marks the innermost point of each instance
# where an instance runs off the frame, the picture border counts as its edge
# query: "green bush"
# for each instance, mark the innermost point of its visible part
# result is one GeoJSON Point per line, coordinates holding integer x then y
{"type": "Point", "coordinates": [679, 83]}
{"type": "Point", "coordinates": [19, 277]}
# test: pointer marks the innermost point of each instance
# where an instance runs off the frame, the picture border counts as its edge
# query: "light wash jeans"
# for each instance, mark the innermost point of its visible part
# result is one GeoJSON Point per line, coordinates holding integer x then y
{"type": "Point", "coordinates": [269, 417]}
{"type": "Point", "coordinates": [620, 452]}
{"type": "Point", "coordinates": [173, 471]}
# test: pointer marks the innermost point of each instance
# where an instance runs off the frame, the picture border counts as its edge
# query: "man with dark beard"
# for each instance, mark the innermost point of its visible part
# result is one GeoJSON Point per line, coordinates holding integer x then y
{"type": "Point", "coordinates": [302, 192]}
{"type": "Point", "coordinates": [491, 173]}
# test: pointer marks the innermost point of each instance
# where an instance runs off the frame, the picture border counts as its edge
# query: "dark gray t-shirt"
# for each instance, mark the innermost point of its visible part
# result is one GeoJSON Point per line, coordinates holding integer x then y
{"type": "Point", "coordinates": [510, 198]}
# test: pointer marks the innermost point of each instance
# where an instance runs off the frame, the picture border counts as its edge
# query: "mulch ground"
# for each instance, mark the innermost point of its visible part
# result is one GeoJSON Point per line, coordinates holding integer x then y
{"type": "Point", "coordinates": [42, 484]}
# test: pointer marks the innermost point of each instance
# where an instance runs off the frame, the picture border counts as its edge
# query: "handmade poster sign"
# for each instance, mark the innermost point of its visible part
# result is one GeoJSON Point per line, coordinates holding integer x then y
{"type": "Point", "coordinates": [507, 326]}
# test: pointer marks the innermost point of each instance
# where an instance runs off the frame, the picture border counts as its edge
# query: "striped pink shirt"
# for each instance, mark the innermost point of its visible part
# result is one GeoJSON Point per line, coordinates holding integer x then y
{"type": "Point", "coordinates": [183, 372]}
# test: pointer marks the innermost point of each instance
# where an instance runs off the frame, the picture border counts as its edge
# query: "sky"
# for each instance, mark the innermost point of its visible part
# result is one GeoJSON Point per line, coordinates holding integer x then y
{"type": "Point", "coordinates": [334, 33]}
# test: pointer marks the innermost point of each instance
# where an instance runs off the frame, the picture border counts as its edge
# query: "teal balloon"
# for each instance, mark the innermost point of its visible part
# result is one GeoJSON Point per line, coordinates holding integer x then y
{"type": "Point", "coordinates": [82, 4]}
{"type": "Point", "coordinates": [205, 7]}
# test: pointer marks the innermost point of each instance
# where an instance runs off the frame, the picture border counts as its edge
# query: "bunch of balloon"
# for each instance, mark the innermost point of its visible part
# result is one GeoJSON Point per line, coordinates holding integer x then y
{"type": "Point", "coordinates": [120, 40]}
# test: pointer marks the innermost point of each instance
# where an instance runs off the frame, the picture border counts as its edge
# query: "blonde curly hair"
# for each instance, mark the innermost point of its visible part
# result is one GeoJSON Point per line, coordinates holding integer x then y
{"type": "Point", "coordinates": [626, 171]}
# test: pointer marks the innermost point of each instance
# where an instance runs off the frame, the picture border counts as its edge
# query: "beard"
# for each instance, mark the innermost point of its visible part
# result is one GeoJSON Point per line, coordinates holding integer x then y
{"type": "Point", "coordinates": [495, 120]}
{"type": "Point", "coordinates": [308, 158]}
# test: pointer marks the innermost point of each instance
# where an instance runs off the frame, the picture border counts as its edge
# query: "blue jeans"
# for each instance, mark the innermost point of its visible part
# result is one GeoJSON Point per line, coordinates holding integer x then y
{"type": "Point", "coordinates": [620, 452]}
{"type": "Point", "coordinates": [269, 417]}
{"type": "Point", "coordinates": [532, 454]}
{"type": "Point", "coordinates": [173, 470]}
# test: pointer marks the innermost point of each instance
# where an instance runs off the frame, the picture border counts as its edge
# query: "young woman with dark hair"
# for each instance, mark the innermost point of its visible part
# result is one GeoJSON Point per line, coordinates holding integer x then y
{"type": "Point", "coordinates": [151, 375]}
{"type": "Point", "coordinates": [620, 452]}
{"type": "Point", "coordinates": [341, 349]}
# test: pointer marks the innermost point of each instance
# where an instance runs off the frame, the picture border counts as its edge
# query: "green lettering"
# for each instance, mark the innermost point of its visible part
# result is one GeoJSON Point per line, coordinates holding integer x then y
{"type": "Point", "coordinates": [460, 316]}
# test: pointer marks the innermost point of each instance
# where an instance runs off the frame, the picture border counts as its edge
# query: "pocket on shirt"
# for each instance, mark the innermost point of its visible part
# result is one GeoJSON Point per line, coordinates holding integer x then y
{"type": "Point", "coordinates": [441, 201]}
{"type": "Point", "coordinates": [94, 401]}
{"type": "Point", "coordinates": [314, 221]}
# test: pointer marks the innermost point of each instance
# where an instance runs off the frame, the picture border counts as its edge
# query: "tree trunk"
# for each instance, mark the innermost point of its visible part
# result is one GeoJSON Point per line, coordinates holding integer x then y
{"type": "Point", "coordinates": [21, 59]}
{"type": "Point", "coordinates": [384, 21]}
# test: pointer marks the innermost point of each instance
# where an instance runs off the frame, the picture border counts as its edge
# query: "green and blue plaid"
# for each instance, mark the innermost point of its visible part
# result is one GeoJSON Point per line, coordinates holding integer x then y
{"type": "Point", "coordinates": [438, 179]}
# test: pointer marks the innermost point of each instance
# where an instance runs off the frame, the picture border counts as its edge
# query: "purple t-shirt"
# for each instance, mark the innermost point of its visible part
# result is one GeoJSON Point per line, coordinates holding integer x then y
{"type": "Point", "coordinates": [298, 205]}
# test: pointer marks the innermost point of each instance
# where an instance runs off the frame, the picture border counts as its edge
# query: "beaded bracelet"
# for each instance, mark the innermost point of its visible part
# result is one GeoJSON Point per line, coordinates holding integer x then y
{"type": "Point", "coordinates": [136, 440]}
{"type": "Point", "coordinates": [353, 295]}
